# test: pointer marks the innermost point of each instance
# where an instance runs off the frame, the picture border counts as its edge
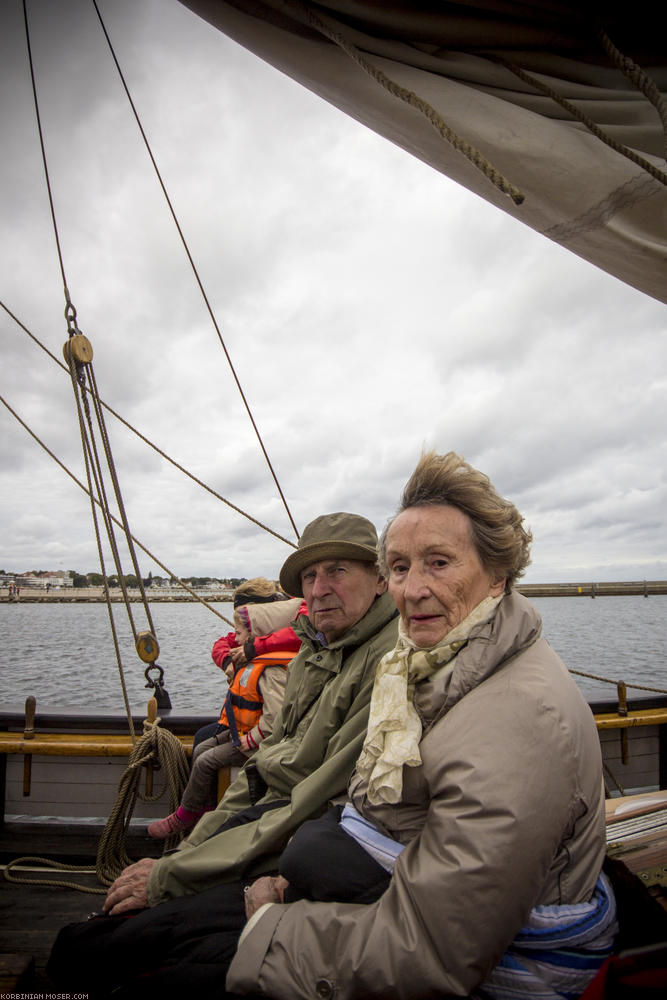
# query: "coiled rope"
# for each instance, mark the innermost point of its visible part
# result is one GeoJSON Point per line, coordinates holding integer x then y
{"type": "Point", "coordinates": [157, 748]}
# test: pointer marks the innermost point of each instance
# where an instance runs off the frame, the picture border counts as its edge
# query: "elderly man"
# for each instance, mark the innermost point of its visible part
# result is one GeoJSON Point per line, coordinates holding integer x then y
{"type": "Point", "coordinates": [306, 762]}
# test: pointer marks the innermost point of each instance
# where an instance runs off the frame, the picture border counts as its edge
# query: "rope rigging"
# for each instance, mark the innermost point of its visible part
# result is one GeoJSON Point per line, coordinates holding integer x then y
{"type": "Point", "coordinates": [156, 748]}
{"type": "Point", "coordinates": [611, 680]}
{"type": "Point", "coordinates": [639, 78]}
{"type": "Point", "coordinates": [335, 32]}
{"type": "Point", "coordinates": [151, 444]}
{"type": "Point", "coordinates": [195, 271]}
{"type": "Point", "coordinates": [586, 120]}
{"type": "Point", "coordinates": [78, 354]}
{"type": "Point", "coordinates": [136, 541]}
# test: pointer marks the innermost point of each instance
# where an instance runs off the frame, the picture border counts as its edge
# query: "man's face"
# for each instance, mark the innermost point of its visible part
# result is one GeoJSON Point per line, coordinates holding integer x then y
{"type": "Point", "coordinates": [338, 593]}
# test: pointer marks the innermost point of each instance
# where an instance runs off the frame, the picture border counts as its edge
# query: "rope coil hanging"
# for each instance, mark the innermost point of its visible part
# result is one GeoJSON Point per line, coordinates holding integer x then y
{"type": "Point", "coordinates": [156, 749]}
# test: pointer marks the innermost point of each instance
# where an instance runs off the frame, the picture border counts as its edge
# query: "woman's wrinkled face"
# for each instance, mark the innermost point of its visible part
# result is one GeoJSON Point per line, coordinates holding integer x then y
{"type": "Point", "coordinates": [435, 574]}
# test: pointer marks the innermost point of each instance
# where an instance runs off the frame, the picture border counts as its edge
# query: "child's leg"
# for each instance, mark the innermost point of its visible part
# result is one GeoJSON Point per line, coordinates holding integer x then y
{"type": "Point", "coordinates": [201, 789]}
{"type": "Point", "coordinates": [200, 792]}
{"type": "Point", "coordinates": [202, 747]}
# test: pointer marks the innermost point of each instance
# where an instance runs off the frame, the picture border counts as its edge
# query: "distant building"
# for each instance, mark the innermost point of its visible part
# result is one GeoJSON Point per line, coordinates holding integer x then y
{"type": "Point", "coordinates": [46, 579]}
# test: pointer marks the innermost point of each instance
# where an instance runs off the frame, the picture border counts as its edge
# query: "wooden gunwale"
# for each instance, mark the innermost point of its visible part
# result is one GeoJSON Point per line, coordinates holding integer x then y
{"type": "Point", "coordinates": [75, 744]}
{"type": "Point", "coordinates": [119, 745]}
{"type": "Point", "coordinates": [77, 732]}
{"type": "Point", "coordinates": [642, 717]}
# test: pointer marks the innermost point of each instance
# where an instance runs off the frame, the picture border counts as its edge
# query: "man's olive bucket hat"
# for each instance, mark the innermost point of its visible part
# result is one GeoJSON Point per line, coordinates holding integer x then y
{"type": "Point", "coordinates": [331, 536]}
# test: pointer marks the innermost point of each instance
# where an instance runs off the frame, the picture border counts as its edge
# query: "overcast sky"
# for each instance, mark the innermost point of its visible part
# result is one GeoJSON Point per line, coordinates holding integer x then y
{"type": "Point", "coordinates": [371, 307]}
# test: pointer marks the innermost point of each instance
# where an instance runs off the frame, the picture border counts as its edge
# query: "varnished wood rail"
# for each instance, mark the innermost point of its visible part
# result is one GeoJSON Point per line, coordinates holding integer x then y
{"type": "Point", "coordinates": [75, 744]}
{"type": "Point", "coordinates": [642, 717]}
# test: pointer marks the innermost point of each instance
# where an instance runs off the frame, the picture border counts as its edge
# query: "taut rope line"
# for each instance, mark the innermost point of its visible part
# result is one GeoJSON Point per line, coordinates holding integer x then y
{"type": "Point", "coordinates": [93, 471]}
{"type": "Point", "coordinates": [195, 272]}
{"type": "Point", "coordinates": [610, 680]}
{"type": "Point", "coordinates": [156, 448]}
{"type": "Point", "coordinates": [44, 163]}
{"type": "Point", "coordinates": [81, 486]}
{"type": "Point", "coordinates": [78, 354]}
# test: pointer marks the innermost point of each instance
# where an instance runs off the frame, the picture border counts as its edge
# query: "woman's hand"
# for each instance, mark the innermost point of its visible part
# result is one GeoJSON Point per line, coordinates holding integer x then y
{"type": "Point", "coordinates": [128, 892]}
{"type": "Point", "coordinates": [268, 889]}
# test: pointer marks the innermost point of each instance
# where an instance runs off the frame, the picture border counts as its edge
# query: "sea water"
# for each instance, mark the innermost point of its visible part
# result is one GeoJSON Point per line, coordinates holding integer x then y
{"type": "Point", "coordinates": [64, 655]}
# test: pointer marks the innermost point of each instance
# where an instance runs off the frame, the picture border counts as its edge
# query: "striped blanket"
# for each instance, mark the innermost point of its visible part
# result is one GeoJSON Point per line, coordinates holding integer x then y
{"type": "Point", "coordinates": [553, 957]}
{"type": "Point", "coordinates": [557, 953]}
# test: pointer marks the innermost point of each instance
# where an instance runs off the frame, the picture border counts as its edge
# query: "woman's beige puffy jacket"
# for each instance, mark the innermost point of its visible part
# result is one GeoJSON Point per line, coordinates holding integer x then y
{"type": "Point", "coordinates": [513, 816]}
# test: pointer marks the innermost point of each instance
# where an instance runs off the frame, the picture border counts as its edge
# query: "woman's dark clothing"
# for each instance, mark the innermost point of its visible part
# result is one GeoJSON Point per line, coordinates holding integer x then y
{"type": "Point", "coordinates": [187, 943]}
{"type": "Point", "coordinates": [323, 863]}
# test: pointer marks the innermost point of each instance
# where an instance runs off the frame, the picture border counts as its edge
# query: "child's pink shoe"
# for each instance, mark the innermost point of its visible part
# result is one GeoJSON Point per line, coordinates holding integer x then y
{"type": "Point", "coordinates": [170, 826]}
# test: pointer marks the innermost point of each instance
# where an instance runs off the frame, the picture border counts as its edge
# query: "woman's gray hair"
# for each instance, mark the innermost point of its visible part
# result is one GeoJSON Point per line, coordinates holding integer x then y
{"type": "Point", "coordinates": [501, 541]}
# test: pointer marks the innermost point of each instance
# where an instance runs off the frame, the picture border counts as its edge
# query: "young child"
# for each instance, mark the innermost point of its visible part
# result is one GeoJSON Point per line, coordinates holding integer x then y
{"type": "Point", "coordinates": [268, 636]}
{"type": "Point", "coordinates": [254, 698]}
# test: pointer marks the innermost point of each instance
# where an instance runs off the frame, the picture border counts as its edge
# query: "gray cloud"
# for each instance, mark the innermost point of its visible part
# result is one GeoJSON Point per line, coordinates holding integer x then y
{"type": "Point", "coordinates": [370, 306]}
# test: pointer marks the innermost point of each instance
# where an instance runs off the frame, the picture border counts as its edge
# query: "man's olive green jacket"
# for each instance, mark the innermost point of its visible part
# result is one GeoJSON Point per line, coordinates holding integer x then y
{"type": "Point", "coordinates": [308, 759]}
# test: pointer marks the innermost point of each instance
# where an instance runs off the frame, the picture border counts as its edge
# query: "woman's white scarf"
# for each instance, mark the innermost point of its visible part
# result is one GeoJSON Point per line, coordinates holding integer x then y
{"type": "Point", "coordinates": [394, 728]}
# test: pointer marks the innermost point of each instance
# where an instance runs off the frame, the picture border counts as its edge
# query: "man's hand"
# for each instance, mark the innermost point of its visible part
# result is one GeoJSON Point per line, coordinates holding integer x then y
{"type": "Point", "coordinates": [128, 892]}
{"type": "Point", "coordinates": [238, 656]}
{"type": "Point", "coordinates": [264, 890]}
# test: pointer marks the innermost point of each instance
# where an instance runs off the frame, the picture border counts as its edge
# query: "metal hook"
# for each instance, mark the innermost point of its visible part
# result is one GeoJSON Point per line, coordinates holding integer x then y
{"type": "Point", "coordinates": [160, 692]}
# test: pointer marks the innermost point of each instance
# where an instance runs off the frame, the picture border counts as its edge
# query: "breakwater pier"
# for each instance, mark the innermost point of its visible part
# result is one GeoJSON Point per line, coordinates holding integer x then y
{"type": "Point", "coordinates": [86, 595]}
{"type": "Point", "coordinates": [636, 588]}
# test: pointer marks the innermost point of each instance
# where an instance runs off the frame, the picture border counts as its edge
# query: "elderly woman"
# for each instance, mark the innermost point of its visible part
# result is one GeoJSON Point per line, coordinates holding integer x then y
{"type": "Point", "coordinates": [477, 802]}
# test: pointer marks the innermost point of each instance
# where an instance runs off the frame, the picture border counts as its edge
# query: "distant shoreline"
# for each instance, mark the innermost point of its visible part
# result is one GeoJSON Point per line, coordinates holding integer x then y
{"type": "Point", "coordinates": [95, 595]}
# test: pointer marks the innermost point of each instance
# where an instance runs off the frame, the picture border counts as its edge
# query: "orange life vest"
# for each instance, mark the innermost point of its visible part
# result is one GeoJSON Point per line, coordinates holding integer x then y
{"type": "Point", "coordinates": [246, 701]}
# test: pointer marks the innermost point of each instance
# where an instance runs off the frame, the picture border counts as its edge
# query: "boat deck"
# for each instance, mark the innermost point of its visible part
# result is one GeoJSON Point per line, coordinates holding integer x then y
{"type": "Point", "coordinates": [32, 915]}
{"type": "Point", "coordinates": [634, 745]}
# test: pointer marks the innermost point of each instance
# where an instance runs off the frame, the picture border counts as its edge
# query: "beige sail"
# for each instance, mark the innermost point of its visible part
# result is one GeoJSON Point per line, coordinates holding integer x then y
{"type": "Point", "coordinates": [496, 74]}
